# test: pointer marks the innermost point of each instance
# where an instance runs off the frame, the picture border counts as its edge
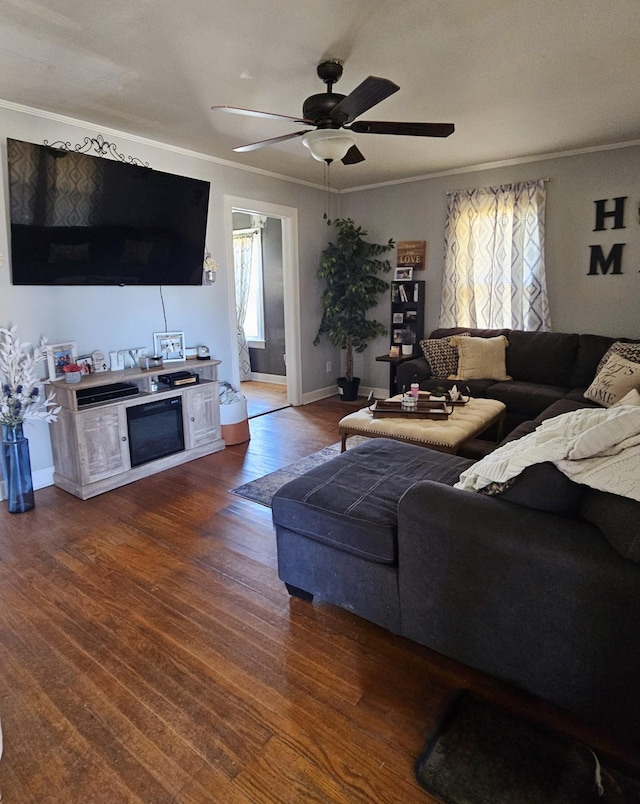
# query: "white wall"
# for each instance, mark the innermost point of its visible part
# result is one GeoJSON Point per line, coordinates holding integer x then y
{"type": "Point", "coordinates": [578, 302]}
{"type": "Point", "coordinates": [111, 318]}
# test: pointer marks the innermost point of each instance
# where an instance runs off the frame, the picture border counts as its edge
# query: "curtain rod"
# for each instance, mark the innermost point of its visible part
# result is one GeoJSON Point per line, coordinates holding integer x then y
{"type": "Point", "coordinates": [451, 192]}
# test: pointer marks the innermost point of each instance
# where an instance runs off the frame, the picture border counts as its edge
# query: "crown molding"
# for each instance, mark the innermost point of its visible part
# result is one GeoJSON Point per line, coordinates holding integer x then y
{"type": "Point", "coordinates": [491, 165]}
{"type": "Point", "coordinates": [113, 132]}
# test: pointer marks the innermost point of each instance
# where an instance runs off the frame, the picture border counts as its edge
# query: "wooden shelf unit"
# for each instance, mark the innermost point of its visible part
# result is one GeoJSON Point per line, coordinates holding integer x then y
{"type": "Point", "coordinates": [91, 443]}
{"type": "Point", "coordinates": [407, 301]}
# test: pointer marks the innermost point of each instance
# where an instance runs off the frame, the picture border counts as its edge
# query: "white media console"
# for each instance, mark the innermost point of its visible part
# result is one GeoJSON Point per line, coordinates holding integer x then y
{"type": "Point", "coordinates": [92, 441]}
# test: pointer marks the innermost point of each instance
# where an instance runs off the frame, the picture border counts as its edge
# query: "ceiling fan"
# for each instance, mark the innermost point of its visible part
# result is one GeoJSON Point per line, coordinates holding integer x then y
{"type": "Point", "coordinates": [334, 115]}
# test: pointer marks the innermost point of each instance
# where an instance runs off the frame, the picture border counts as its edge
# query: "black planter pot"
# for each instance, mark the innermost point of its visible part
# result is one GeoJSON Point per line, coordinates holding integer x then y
{"type": "Point", "coordinates": [348, 389]}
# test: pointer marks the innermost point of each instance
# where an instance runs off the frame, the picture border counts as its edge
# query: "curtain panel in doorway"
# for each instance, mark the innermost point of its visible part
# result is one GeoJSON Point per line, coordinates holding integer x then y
{"type": "Point", "coordinates": [243, 246]}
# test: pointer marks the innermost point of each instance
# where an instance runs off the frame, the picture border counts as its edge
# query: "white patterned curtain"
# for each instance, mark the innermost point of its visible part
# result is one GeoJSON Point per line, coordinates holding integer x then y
{"type": "Point", "coordinates": [494, 274]}
{"type": "Point", "coordinates": [243, 252]}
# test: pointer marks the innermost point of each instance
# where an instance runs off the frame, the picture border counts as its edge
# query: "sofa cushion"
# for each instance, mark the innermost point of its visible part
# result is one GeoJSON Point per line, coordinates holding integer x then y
{"type": "Point", "coordinates": [617, 517]}
{"type": "Point", "coordinates": [350, 502]}
{"type": "Point", "coordinates": [590, 352]}
{"type": "Point", "coordinates": [476, 388]}
{"type": "Point", "coordinates": [481, 358]}
{"type": "Point", "coordinates": [543, 487]}
{"type": "Point", "coordinates": [616, 378]}
{"type": "Point", "coordinates": [546, 358]}
{"type": "Point", "coordinates": [449, 332]}
{"type": "Point", "coordinates": [525, 397]}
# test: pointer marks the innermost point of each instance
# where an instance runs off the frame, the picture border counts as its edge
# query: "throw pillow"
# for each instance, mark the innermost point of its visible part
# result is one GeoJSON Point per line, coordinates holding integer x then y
{"type": "Point", "coordinates": [481, 358]}
{"type": "Point", "coordinates": [632, 398]}
{"type": "Point", "coordinates": [441, 356]}
{"type": "Point", "coordinates": [630, 351]}
{"type": "Point", "coordinates": [615, 379]}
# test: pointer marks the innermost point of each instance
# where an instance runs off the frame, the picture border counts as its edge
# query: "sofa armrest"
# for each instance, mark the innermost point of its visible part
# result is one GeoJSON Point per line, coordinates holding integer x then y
{"type": "Point", "coordinates": [537, 599]}
{"type": "Point", "coordinates": [416, 370]}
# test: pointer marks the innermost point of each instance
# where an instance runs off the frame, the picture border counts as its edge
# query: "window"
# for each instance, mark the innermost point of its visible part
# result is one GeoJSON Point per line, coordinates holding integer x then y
{"type": "Point", "coordinates": [494, 274]}
{"type": "Point", "coordinates": [247, 246]}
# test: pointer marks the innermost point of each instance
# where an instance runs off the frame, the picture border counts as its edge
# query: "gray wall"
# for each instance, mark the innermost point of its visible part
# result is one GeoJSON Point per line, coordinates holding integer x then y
{"type": "Point", "coordinates": [578, 302]}
{"type": "Point", "coordinates": [112, 318]}
{"type": "Point", "coordinates": [270, 360]}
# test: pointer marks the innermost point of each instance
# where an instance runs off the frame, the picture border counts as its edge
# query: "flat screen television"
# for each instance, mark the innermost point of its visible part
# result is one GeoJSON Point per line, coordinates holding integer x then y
{"type": "Point", "coordinates": [78, 219]}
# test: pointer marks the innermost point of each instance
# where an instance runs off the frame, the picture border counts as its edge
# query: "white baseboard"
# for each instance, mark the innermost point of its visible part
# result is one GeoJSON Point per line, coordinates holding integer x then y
{"type": "Point", "coordinates": [378, 393]}
{"type": "Point", "coordinates": [319, 393]}
{"type": "Point", "coordinates": [332, 390]}
{"type": "Point", "coordinates": [276, 379]}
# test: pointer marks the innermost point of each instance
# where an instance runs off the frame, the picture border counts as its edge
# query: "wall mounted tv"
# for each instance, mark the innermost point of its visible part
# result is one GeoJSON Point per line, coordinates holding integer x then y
{"type": "Point", "coordinates": [78, 219]}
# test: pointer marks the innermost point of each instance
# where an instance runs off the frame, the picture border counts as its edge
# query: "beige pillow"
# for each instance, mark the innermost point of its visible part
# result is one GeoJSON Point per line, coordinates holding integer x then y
{"type": "Point", "coordinates": [481, 358]}
{"type": "Point", "coordinates": [632, 398]}
{"type": "Point", "coordinates": [615, 379]}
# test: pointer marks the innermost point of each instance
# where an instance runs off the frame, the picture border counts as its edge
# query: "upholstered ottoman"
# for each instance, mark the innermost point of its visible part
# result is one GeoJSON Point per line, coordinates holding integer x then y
{"type": "Point", "coordinates": [336, 526]}
{"type": "Point", "coordinates": [448, 435]}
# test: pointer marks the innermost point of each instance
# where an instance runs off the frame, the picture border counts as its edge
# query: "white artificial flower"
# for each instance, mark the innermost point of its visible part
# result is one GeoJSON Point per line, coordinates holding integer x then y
{"type": "Point", "coordinates": [20, 396]}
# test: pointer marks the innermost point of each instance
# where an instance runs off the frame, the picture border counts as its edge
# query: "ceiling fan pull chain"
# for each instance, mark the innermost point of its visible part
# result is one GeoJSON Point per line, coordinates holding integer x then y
{"type": "Point", "coordinates": [327, 196]}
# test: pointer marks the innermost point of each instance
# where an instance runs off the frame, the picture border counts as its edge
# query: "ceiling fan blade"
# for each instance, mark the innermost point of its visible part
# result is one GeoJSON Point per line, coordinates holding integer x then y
{"type": "Point", "coordinates": [407, 129]}
{"type": "Point", "coordinates": [265, 115]}
{"type": "Point", "coordinates": [370, 92]}
{"type": "Point", "coordinates": [253, 146]}
{"type": "Point", "coordinates": [353, 156]}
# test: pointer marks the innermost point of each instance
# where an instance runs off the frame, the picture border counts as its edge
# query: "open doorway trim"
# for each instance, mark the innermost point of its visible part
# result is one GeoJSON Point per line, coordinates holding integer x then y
{"type": "Point", "coordinates": [290, 279]}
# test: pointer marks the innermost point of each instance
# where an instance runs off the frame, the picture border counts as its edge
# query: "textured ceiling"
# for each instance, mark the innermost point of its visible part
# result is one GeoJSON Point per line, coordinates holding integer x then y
{"type": "Point", "coordinates": [518, 79]}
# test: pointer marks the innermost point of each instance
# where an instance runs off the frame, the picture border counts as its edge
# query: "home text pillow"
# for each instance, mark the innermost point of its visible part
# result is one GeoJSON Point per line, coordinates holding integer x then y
{"type": "Point", "coordinates": [615, 379]}
{"type": "Point", "coordinates": [630, 351]}
{"type": "Point", "coordinates": [441, 356]}
{"type": "Point", "coordinates": [481, 358]}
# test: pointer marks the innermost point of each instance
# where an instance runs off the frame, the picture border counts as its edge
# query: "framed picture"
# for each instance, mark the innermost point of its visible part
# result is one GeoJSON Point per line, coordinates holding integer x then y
{"type": "Point", "coordinates": [398, 318]}
{"type": "Point", "coordinates": [170, 345]}
{"type": "Point", "coordinates": [413, 253]}
{"type": "Point", "coordinates": [60, 355]}
{"type": "Point", "coordinates": [403, 274]}
{"type": "Point", "coordinates": [86, 362]}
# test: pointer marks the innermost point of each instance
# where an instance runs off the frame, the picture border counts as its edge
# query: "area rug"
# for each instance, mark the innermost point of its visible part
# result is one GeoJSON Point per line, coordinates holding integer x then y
{"type": "Point", "coordinates": [263, 489]}
{"type": "Point", "coordinates": [480, 755]}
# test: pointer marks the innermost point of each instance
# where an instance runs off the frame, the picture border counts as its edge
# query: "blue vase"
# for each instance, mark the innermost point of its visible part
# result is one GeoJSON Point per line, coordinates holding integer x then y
{"type": "Point", "coordinates": [16, 469]}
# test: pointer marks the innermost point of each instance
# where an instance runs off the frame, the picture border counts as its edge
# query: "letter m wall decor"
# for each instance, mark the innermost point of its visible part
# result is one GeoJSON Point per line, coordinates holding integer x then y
{"type": "Point", "coordinates": [599, 262]}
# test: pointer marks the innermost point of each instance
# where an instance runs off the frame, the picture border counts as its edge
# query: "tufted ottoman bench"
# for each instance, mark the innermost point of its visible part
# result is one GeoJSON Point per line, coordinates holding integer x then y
{"type": "Point", "coordinates": [449, 435]}
{"type": "Point", "coordinates": [336, 525]}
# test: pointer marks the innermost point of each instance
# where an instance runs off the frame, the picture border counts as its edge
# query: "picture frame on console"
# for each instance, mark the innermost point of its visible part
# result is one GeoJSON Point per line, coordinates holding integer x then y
{"type": "Point", "coordinates": [86, 362]}
{"type": "Point", "coordinates": [60, 355]}
{"type": "Point", "coordinates": [170, 346]}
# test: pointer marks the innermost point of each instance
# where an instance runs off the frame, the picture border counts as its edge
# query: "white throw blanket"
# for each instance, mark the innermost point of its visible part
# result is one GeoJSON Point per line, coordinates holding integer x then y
{"type": "Point", "coordinates": [597, 447]}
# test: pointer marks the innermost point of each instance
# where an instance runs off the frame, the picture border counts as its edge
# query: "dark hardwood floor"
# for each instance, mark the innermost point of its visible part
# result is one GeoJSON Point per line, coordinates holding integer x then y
{"type": "Point", "coordinates": [149, 653]}
{"type": "Point", "coordinates": [263, 397]}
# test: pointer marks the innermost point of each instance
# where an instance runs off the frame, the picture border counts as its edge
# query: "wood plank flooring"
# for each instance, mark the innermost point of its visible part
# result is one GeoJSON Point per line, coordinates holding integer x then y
{"type": "Point", "coordinates": [149, 653]}
{"type": "Point", "coordinates": [263, 397]}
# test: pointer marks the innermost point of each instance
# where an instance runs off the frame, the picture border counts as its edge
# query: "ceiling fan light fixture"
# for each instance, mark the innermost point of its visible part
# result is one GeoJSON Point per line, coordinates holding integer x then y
{"type": "Point", "coordinates": [328, 144]}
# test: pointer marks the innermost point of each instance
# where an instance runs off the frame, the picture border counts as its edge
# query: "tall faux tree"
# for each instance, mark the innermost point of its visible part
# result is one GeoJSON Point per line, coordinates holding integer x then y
{"type": "Point", "coordinates": [351, 267]}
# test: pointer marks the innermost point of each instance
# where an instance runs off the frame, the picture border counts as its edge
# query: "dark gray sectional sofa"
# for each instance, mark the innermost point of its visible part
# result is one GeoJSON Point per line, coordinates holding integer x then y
{"type": "Point", "coordinates": [539, 585]}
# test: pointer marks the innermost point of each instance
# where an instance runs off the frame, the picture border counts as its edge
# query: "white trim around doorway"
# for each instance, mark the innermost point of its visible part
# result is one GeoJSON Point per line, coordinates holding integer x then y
{"type": "Point", "coordinates": [291, 285]}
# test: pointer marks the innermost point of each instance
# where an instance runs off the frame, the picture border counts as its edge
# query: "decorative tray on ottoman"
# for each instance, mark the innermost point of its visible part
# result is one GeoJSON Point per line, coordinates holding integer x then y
{"type": "Point", "coordinates": [424, 409]}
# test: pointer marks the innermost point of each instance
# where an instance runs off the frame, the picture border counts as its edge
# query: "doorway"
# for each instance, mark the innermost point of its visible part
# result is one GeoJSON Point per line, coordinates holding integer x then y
{"type": "Point", "coordinates": [288, 221]}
